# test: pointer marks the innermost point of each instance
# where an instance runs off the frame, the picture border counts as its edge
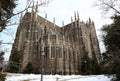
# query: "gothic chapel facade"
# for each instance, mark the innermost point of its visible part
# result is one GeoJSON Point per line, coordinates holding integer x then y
{"type": "Point", "coordinates": [56, 49]}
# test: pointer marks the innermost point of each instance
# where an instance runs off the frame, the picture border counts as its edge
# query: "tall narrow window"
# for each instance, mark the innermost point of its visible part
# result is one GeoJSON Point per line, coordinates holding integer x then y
{"type": "Point", "coordinates": [46, 51]}
{"type": "Point", "coordinates": [59, 52]}
{"type": "Point", "coordinates": [66, 54]}
{"type": "Point", "coordinates": [52, 51]}
{"type": "Point", "coordinates": [69, 54]}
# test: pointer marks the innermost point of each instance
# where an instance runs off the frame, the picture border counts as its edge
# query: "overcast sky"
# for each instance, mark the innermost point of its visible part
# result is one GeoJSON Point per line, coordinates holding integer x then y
{"type": "Point", "coordinates": [63, 10]}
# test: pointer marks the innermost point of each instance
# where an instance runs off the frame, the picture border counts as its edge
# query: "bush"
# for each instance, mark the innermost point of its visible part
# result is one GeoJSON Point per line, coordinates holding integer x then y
{"type": "Point", "coordinates": [28, 68]}
{"type": "Point", "coordinates": [89, 66]}
{"type": "Point", "coordinates": [2, 77]}
{"type": "Point", "coordinates": [15, 59]}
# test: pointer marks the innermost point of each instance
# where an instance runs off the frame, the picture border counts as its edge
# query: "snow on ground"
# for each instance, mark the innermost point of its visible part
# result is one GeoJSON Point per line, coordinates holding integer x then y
{"type": "Point", "coordinates": [33, 77]}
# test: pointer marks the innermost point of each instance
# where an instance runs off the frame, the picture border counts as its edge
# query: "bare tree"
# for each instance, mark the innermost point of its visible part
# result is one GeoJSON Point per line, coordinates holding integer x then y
{"type": "Point", "coordinates": [29, 4]}
{"type": "Point", "coordinates": [109, 6]}
{"type": "Point", "coordinates": [5, 18]}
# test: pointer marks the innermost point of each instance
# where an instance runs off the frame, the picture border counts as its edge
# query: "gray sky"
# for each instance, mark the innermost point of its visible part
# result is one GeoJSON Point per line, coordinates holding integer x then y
{"type": "Point", "coordinates": [62, 10]}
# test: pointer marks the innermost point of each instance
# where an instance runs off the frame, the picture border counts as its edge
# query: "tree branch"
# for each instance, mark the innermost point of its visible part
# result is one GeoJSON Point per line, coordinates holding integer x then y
{"type": "Point", "coordinates": [112, 8]}
{"type": "Point", "coordinates": [41, 4]}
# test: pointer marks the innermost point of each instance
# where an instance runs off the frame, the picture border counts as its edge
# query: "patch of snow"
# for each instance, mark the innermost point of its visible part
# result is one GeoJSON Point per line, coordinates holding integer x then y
{"type": "Point", "coordinates": [37, 77]}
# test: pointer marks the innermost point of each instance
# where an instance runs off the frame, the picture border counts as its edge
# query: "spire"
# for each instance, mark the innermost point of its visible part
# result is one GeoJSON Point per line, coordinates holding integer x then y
{"type": "Point", "coordinates": [36, 8]}
{"type": "Point", "coordinates": [54, 22]}
{"type": "Point", "coordinates": [45, 28]}
{"type": "Point", "coordinates": [71, 22]}
{"type": "Point", "coordinates": [89, 21]}
{"type": "Point", "coordinates": [45, 15]}
{"type": "Point", "coordinates": [45, 18]}
{"type": "Point", "coordinates": [63, 27]}
{"type": "Point", "coordinates": [78, 23]}
{"type": "Point", "coordinates": [32, 14]}
{"type": "Point", "coordinates": [62, 23]}
{"type": "Point", "coordinates": [72, 29]}
{"type": "Point", "coordinates": [33, 7]}
{"type": "Point", "coordinates": [75, 15]}
{"type": "Point", "coordinates": [78, 16]}
{"type": "Point", "coordinates": [93, 23]}
{"type": "Point", "coordinates": [75, 19]}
